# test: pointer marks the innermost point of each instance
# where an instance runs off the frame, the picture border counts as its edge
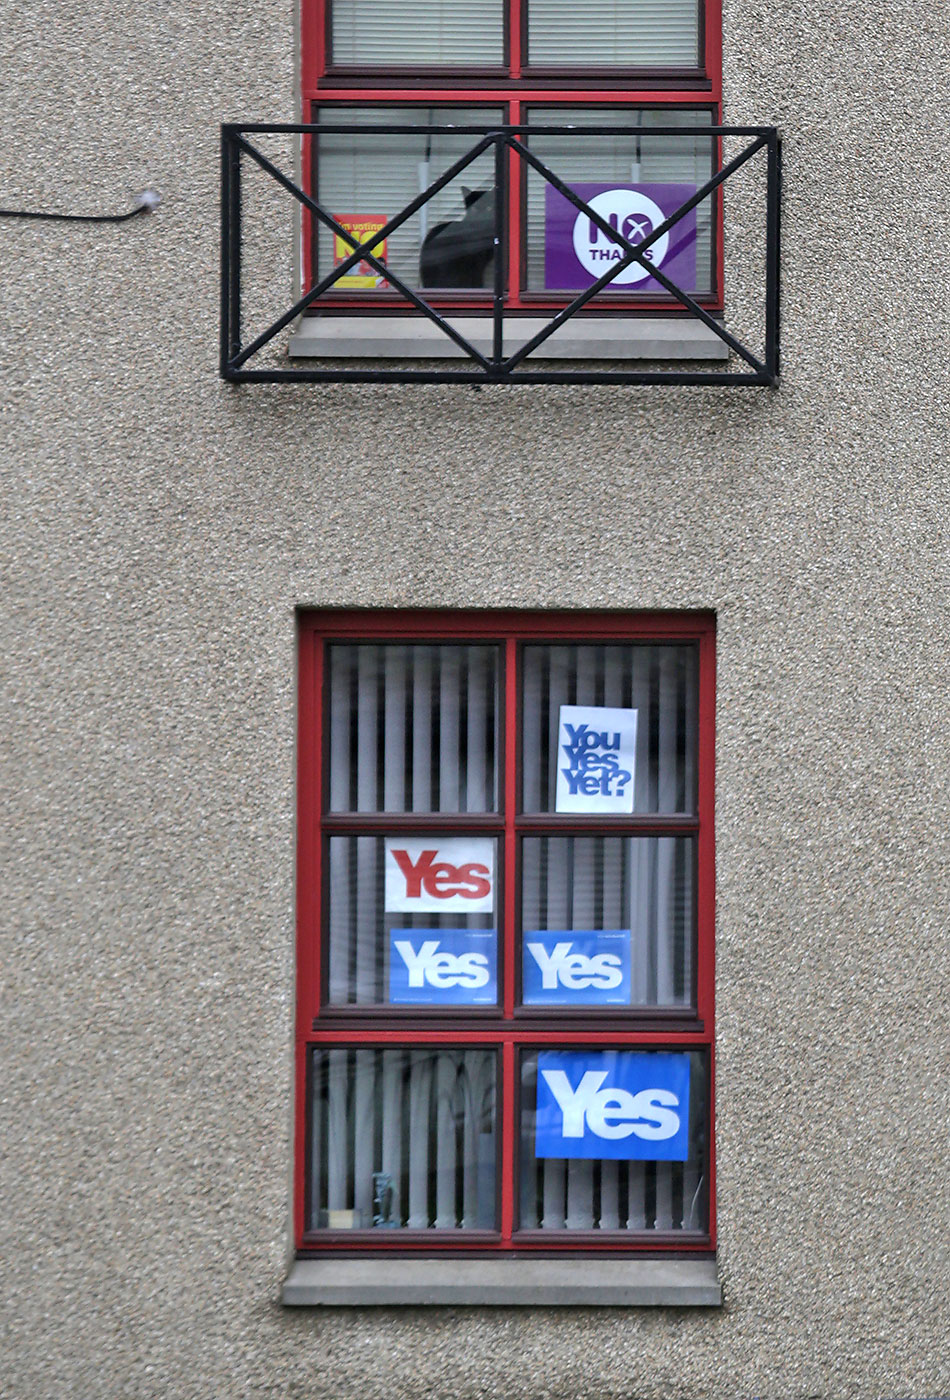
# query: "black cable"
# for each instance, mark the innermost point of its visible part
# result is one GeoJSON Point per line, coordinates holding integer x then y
{"type": "Point", "coordinates": [145, 202]}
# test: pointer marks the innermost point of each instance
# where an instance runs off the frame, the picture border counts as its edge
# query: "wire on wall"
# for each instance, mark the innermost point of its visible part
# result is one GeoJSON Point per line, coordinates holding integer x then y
{"type": "Point", "coordinates": [144, 203]}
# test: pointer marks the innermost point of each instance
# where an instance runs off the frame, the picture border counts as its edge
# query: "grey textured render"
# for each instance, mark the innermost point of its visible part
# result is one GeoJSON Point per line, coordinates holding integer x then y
{"type": "Point", "coordinates": [159, 530]}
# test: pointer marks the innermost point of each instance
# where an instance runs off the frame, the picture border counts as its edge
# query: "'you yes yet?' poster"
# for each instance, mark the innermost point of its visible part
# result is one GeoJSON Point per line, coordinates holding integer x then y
{"type": "Point", "coordinates": [596, 759]}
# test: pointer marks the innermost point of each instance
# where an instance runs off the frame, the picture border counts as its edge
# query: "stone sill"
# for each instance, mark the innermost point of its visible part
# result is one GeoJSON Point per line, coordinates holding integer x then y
{"type": "Point", "coordinates": [515, 1282]}
{"type": "Point", "coordinates": [580, 338]}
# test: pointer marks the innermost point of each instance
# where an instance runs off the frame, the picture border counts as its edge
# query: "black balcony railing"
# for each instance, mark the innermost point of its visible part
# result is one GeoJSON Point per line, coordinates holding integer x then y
{"type": "Point", "coordinates": [496, 367]}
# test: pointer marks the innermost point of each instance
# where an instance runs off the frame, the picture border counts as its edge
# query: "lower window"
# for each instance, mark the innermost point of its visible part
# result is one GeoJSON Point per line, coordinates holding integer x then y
{"type": "Point", "coordinates": [505, 911]}
{"type": "Point", "coordinates": [630, 164]}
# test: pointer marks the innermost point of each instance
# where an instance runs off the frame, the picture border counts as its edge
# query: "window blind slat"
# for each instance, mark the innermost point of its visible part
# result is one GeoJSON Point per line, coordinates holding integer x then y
{"type": "Point", "coordinates": [451, 33]}
{"type": "Point", "coordinates": [420, 1087]}
{"type": "Point", "coordinates": [391, 1150]}
{"type": "Point", "coordinates": [446, 1082]}
{"type": "Point", "coordinates": [615, 33]}
{"type": "Point", "coordinates": [395, 721]}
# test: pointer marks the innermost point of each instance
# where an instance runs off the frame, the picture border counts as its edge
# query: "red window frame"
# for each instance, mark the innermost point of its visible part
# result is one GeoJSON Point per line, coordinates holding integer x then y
{"type": "Point", "coordinates": [517, 87]}
{"type": "Point", "coordinates": [512, 1028]}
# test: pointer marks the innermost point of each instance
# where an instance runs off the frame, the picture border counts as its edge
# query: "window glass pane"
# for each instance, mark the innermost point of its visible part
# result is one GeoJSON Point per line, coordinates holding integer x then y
{"type": "Point", "coordinates": [632, 1149]}
{"type": "Point", "coordinates": [366, 180]}
{"type": "Point", "coordinates": [413, 920]}
{"type": "Point", "coordinates": [402, 1139]}
{"type": "Point", "coordinates": [607, 921]}
{"type": "Point", "coordinates": [635, 181]}
{"type": "Point", "coordinates": [657, 682]}
{"type": "Point", "coordinates": [450, 33]}
{"type": "Point", "coordinates": [412, 728]}
{"type": "Point", "coordinates": [614, 33]}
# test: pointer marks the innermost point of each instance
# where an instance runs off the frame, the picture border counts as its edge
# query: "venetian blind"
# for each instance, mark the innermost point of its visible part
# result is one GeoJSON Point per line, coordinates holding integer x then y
{"type": "Point", "coordinates": [637, 158]}
{"type": "Point", "coordinates": [380, 175]}
{"type": "Point", "coordinates": [614, 33]}
{"type": "Point", "coordinates": [446, 33]}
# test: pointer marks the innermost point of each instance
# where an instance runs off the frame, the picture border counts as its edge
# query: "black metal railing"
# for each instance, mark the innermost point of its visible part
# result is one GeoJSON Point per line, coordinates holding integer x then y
{"type": "Point", "coordinates": [496, 367]}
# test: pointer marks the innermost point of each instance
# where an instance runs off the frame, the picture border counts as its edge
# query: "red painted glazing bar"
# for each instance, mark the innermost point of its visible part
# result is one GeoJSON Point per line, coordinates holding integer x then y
{"type": "Point", "coordinates": [462, 1036]}
{"type": "Point", "coordinates": [462, 1244]}
{"type": "Point", "coordinates": [578, 96]}
{"type": "Point", "coordinates": [514, 211]}
{"type": "Point", "coordinates": [720, 226]}
{"type": "Point", "coordinates": [508, 1135]}
{"type": "Point", "coordinates": [712, 1144]}
{"type": "Point", "coordinates": [509, 1138]}
{"type": "Point", "coordinates": [312, 46]}
{"type": "Point", "coordinates": [516, 27]}
{"type": "Point", "coordinates": [706, 883]}
{"type": "Point", "coordinates": [489, 625]}
{"type": "Point", "coordinates": [712, 19]}
{"type": "Point", "coordinates": [706, 889]}
{"type": "Point", "coordinates": [310, 669]}
{"type": "Point", "coordinates": [511, 836]}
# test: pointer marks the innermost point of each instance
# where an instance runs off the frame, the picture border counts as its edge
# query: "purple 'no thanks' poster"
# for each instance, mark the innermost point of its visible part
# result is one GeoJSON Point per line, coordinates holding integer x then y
{"type": "Point", "coordinates": [577, 252]}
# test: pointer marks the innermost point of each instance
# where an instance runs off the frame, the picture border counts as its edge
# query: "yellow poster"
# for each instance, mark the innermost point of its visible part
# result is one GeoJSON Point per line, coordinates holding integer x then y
{"type": "Point", "coordinates": [362, 227]}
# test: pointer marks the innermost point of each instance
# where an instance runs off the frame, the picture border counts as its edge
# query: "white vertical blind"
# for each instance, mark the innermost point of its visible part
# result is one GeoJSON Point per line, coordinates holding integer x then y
{"type": "Point", "coordinates": [634, 1196]}
{"type": "Point", "coordinates": [657, 681]}
{"type": "Point", "coordinates": [613, 33]}
{"type": "Point", "coordinates": [427, 33]}
{"type": "Point", "coordinates": [424, 1119]}
{"type": "Point", "coordinates": [416, 725]}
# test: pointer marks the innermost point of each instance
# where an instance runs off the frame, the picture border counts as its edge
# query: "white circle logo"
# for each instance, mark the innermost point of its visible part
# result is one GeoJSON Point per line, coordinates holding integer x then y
{"type": "Point", "coordinates": [634, 216]}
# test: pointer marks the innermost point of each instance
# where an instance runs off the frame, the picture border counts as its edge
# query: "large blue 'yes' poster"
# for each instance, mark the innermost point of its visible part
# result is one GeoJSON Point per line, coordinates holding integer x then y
{"type": "Point", "coordinates": [626, 1105]}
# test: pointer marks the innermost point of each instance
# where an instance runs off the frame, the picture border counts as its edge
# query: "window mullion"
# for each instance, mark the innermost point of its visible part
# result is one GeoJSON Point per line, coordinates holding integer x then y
{"type": "Point", "coordinates": [509, 925]}
{"type": "Point", "coordinates": [516, 189]}
{"type": "Point", "coordinates": [514, 13]}
{"type": "Point", "coordinates": [509, 883]}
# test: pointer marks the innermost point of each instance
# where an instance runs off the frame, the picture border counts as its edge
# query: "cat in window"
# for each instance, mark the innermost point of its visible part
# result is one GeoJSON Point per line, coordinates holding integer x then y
{"type": "Point", "coordinates": [458, 253]}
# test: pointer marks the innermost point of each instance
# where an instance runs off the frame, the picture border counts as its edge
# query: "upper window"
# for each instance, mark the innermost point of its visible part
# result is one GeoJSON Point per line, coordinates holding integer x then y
{"type": "Point", "coordinates": [505, 925]}
{"type": "Point", "coordinates": [489, 34]}
{"type": "Point", "coordinates": [600, 90]}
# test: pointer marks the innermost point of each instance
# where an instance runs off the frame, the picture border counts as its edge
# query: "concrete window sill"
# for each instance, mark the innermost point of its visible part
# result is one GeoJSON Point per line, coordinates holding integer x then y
{"type": "Point", "coordinates": [608, 1283]}
{"type": "Point", "coordinates": [581, 338]}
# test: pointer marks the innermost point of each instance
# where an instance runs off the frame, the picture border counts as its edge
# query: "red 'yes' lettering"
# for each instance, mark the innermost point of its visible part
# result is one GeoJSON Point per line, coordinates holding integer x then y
{"type": "Point", "coordinates": [439, 879]}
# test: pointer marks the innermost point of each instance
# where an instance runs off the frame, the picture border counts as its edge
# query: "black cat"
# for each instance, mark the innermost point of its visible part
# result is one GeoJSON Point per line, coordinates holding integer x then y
{"type": "Point", "coordinates": [457, 253]}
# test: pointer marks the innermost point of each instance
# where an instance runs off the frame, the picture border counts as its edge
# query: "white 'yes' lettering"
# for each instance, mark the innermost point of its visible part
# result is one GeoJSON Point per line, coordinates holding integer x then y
{"type": "Point", "coordinates": [575, 971]}
{"type": "Point", "coordinates": [442, 969]}
{"type": "Point", "coordinates": [612, 1113]}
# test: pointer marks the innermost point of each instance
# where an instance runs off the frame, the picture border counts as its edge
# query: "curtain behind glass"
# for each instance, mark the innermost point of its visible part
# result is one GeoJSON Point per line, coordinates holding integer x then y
{"type": "Point", "coordinates": [447, 33]}
{"type": "Point", "coordinates": [614, 33]}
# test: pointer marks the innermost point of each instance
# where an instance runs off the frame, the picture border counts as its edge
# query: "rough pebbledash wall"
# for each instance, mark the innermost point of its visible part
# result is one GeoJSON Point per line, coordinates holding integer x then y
{"type": "Point", "coordinates": [159, 528]}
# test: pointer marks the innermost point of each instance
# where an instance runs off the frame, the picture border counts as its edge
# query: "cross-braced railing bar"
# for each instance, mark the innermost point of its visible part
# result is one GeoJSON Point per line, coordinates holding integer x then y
{"type": "Point", "coordinates": [773, 197]}
{"type": "Point", "coordinates": [460, 129]}
{"type": "Point", "coordinates": [497, 369]}
{"type": "Point", "coordinates": [359, 254]}
{"type": "Point", "coordinates": [230, 251]}
{"type": "Point", "coordinates": [633, 253]}
{"type": "Point", "coordinates": [636, 253]}
{"type": "Point", "coordinates": [498, 300]}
